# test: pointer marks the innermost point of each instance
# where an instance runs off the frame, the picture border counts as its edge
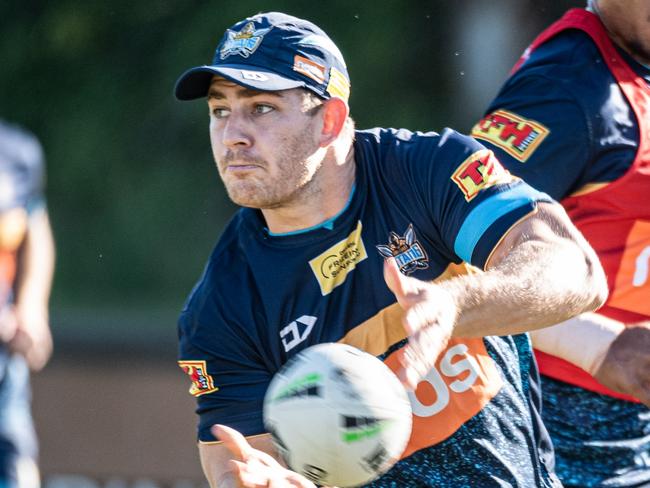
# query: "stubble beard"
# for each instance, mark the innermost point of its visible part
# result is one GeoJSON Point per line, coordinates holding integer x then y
{"type": "Point", "coordinates": [290, 181]}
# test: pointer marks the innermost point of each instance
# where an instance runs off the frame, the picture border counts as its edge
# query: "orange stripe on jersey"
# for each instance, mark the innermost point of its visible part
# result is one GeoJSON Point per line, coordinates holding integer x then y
{"type": "Point", "coordinates": [377, 334]}
{"type": "Point", "coordinates": [462, 382]}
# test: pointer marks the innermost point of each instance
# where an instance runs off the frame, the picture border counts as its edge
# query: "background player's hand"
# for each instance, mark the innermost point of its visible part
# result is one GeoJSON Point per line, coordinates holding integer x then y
{"type": "Point", "coordinates": [252, 468]}
{"type": "Point", "coordinates": [8, 323]}
{"type": "Point", "coordinates": [430, 315]}
{"type": "Point", "coordinates": [32, 337]}
{"type": "Point", "coordinates": [626, 367]}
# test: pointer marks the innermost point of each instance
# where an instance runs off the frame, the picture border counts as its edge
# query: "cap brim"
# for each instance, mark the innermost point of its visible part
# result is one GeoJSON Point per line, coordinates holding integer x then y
{"type": "Point", "coordinates": [195, 82]}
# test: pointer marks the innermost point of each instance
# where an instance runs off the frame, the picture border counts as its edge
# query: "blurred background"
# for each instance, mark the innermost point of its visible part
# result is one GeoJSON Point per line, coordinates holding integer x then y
{"type": "Point", "coordinates": [136, 203]}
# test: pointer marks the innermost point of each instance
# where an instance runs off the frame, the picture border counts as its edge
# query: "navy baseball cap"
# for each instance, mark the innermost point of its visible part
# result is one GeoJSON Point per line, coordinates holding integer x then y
{"type": "Point", "coordinates": [269, 52]}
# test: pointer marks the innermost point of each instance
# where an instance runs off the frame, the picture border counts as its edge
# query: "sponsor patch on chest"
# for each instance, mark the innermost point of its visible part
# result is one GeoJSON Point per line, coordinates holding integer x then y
{"type": "Point", "coordinates": [332, 267]}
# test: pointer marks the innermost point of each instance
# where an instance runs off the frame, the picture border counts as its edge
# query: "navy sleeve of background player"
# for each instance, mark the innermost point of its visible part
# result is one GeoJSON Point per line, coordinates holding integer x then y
{"type": "Point", "coordinates": [540, 133]}
{"type": "Point", "coordinates": [228, 378]}
{"type": "Point", "coordinates": [472, 199]}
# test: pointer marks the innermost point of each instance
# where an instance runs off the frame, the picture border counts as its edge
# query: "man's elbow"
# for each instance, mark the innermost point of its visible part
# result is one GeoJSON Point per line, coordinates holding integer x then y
{"type": "Point", "coordinates": [596, 281]}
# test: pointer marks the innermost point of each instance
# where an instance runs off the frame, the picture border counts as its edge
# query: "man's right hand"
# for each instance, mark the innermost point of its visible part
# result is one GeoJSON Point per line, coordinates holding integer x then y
{"type": "Point", "coordinates": [626, 367]}
{"type": "Point", "coordinates": [252, 468]}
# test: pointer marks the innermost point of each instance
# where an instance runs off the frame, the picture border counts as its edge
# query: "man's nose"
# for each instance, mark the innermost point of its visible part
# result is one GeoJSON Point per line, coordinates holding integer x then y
{"type": "Point", "coordinates": [236, 132]}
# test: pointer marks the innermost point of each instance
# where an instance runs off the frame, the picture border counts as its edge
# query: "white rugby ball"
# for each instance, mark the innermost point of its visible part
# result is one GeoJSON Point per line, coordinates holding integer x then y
{"type": "Point", "coordinates": [338, 415]}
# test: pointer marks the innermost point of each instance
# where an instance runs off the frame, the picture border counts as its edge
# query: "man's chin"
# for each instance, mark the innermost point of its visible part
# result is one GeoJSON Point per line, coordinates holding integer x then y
{"type": "Point", "coordinates": [246, 198]}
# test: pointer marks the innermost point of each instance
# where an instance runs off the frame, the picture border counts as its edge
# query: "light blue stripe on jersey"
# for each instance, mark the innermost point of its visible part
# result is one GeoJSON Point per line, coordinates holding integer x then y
{"type": "Point", "coordinates": [489, 211]}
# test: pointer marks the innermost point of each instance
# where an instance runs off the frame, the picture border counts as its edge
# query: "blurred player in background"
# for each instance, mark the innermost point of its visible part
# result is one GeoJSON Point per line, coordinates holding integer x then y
{"type": "Point", "coordinates": [303, 263]}
{"type": "Point", "coordinates": [573, 120]}
{"type": "Point", "coordinates": [26, 269]}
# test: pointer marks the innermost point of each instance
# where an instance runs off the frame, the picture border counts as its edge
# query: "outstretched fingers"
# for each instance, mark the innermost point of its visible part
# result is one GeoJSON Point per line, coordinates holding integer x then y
{"type": "Point", "coordinates": [403, 287]}
{"type": "Point", "coordinates": [234, 441]}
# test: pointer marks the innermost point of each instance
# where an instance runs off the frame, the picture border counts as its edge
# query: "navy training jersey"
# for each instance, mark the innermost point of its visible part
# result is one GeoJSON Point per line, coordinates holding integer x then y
{"type": "Point", "coordinates": [432, 201]}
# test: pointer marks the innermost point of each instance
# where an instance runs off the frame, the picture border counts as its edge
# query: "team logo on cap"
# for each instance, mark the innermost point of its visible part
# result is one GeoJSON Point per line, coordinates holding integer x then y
{"type": "Point", "coordinates": [202, 382]}
{"type": "Point", "coordinates": [244, 42]}
{"type": "Point", "coordinates": [407, 251]}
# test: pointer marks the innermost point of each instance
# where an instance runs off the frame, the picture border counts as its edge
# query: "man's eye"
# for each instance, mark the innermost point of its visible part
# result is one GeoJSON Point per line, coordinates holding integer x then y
{"type": "Point", "coordinates": [220, 113]}
{"type": "Point", "coordinates": [263, 109]}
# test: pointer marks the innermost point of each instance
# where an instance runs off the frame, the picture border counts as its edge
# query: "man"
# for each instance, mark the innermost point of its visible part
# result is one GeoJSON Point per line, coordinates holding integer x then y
{"type": "Point", "coordinates": [26, 269]}
{"type": "Point", "coordinates": [303, 263]}
{"type": "Point", "coordinates": [573, 120]}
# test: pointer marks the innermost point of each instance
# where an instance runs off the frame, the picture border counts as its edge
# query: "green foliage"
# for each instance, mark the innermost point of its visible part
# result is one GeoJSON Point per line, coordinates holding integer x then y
{"type": "Point", "coordinates": [134, 197]}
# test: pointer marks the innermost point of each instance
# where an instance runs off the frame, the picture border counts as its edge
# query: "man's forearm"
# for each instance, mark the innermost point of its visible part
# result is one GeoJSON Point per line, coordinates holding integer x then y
{"type": "Point", "coordinates": [535, 284]}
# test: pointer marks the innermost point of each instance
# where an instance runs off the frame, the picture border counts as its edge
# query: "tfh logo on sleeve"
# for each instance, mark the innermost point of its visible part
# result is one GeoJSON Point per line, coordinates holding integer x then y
{"type": "Point", "coordinates": [516, 135]}
{"type": "Point", "coordinates": [481, 170]}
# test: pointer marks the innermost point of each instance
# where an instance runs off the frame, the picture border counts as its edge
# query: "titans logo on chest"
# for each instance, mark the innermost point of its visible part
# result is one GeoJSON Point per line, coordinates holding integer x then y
{"type": "Point", "coordinates": [406, 250]}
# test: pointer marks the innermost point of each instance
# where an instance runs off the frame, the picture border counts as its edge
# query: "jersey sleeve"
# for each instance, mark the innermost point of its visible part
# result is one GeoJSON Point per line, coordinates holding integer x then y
{"type": "Point", "coordinates": [472, 199]}
{"type": "Point", "coordinates": [539, 132]}
{"type": "Point", "coordinates": [22, 169]}
{"type": "Point", "coordinates": [227, 375]}
{"type": "Point", "coordinates": [35, 192]}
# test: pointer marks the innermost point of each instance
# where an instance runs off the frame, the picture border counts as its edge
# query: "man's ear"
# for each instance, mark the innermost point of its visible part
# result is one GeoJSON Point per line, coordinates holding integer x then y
{"type": "Point", "coordinates": [335, 112]}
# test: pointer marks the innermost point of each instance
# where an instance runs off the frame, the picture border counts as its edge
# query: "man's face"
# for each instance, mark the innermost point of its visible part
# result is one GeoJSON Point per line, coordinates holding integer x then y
{"type": "Point", "coordinates": [265, 144]}
{"type": "Point", "coordinates": [629, 23]}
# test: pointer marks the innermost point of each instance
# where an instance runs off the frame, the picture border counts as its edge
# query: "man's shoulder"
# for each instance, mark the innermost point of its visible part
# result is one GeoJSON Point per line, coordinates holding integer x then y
{"type": "Point", "coordinates": [391, 136]}
{"type": "Point", "coordinates": [225, 276]}
{"type": "Point", "coordinates": [570, 61]}
{"type": "Point", "coordinates": [402, 145]}
{"type": "Point", "coordinates": [566, 75]}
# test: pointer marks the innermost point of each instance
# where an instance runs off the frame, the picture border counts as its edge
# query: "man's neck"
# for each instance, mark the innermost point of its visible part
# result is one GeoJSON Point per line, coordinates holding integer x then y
{"type": "Point", "coordinates": [321, 200]}
{"type": "Point", "coordinates": [636, 55]}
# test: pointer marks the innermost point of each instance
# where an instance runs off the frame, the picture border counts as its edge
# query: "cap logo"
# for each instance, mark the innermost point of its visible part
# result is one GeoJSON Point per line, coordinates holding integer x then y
{"type": "Point", "coordinates": [253, 76]}
{"type": "Point", "coordinates": [244, 42]}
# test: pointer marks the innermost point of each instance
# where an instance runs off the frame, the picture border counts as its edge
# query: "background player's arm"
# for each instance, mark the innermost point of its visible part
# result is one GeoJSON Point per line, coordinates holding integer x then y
{"type": "Point", "coordinates": [245, 462]}
{"type": "Point", "coordinates": [33, 283]}
{"type": "Point", "coordinates": [541, 273]}
{"type": "Point", "coordinates": [616, 355]}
